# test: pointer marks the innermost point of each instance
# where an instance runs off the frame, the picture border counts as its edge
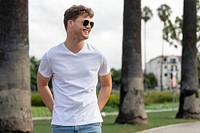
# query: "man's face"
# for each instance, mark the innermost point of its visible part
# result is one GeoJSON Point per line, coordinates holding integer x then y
{"type": "Point", "coordinates": [82, 26]}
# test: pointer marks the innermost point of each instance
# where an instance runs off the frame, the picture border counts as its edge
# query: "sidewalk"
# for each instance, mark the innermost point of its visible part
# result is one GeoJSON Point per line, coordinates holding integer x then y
{"type": "Point", "coordinates": [148, 111]}
{"type": "Point", "coordinates": [177, 128]}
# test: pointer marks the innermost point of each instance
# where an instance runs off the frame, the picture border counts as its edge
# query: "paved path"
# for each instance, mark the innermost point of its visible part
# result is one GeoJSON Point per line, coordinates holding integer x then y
{"type": "Point", "coordinates": [177, 128]}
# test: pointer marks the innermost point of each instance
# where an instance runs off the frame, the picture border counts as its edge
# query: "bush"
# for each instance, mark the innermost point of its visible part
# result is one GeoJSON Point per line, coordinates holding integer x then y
{"type": "Point", "coordinates": [36, 100]}
{"type": "Point", "coordinates": [159, 97]}
{"type": "Point", "coordinates": [150, 97]}
{"type": "Point", "coordinates": [113, 100]}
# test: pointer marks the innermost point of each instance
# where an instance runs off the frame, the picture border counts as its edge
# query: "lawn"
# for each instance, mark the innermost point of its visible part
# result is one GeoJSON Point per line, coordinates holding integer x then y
{"type": "Point", "coordinates": [40, 112]}
{"type": "Point", "coordinates": [155, 119]}
{"type": "Point", "coordinates": [42, 126]}
{"type": "Point", "coordinates": [44, 112]}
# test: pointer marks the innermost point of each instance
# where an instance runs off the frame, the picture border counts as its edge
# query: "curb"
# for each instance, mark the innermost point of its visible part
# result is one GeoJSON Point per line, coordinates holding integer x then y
{"type": "Point", "coordinates": [41, 118]}
{"type": "Point", "coordinates": [148, 111]}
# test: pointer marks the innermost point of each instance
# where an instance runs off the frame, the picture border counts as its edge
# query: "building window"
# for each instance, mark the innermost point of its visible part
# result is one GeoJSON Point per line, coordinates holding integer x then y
{"type": "Point", "coordinates": [165, 74]}
{"type": "Point", "coordinates": [173, 60]}
{"type": "Point", "coordinates": [171, 75]}
{"type": "Point", "coordinates": [174, 68]}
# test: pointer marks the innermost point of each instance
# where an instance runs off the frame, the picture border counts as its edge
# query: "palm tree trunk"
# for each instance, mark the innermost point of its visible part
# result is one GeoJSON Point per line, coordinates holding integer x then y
{"type": "Point", "coordinates": [132, 92]}
{"type": "Point", "coordinates": [189, 99]}
{"type": "Point", "coordinates": [15, 105]}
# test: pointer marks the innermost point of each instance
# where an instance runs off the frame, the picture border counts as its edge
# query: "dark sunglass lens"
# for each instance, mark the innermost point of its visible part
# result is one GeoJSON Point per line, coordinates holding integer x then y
{"type": "Point", "coordinates": [85, 22]}
{"type": "Point", "coordinates": [91, 24]}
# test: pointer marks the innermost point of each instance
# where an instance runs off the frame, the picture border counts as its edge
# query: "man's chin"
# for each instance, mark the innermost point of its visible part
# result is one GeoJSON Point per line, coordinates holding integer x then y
{"type": "Point", "coordinates": [86, 37]}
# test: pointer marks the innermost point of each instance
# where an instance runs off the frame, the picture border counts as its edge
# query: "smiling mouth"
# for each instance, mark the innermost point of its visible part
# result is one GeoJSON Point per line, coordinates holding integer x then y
{"type": "Point", "coordinates": [86, 32]}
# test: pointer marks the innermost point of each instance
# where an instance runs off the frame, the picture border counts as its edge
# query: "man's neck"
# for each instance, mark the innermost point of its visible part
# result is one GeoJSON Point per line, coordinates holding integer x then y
{"type": "Point", "coordinates": [74, 45]}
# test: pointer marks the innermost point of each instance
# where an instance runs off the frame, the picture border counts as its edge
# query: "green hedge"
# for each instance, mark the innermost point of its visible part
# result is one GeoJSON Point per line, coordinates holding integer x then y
{"type": "Point", "coordinates": [149, 98]}
{"type": "Point", "coordinates": [160, 97]}
{"type": "Point", "coordinates": [113, 100]}
{"type": "Point", "coordinates": [36, 100]}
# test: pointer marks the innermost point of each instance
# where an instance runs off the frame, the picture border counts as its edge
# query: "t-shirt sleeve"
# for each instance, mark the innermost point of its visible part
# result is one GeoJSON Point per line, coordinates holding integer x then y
{"type": "Point", "coordinates": [105, 67]}
{"type": "Point", "coordinates": [44, 67]}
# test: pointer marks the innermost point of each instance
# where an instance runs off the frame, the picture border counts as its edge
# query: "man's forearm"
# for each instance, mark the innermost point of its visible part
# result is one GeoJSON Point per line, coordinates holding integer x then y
{"type": "Point", "coordinates": [103, 96]}
{"type": "Point", "coordinates": [106, 88]}
{"type": "Point", "coordinates": [47, 97]}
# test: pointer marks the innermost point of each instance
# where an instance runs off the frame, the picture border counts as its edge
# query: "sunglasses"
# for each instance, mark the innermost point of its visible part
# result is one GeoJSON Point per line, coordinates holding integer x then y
{"type": "Point", "coordinates": [86, 22]}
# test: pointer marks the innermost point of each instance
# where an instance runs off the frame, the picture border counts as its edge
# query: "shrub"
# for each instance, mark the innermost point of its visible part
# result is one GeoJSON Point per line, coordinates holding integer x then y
{"type": "Point", "coordinates": [36, 100]}
{"type": "Point", "coordinates": [113, 100]}
{"type": "Point", "coordinates": [150, 97]}
{"type": "Point", "coordinates": [159, 97]}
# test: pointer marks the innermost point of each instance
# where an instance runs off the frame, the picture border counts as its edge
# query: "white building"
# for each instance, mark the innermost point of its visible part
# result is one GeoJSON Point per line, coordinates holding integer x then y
{"type": "Point", "coordinates": [167, 70]}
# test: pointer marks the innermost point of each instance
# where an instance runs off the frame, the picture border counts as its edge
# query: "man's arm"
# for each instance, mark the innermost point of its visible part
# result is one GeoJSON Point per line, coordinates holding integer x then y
{"type": "Point", "coordinates": [106, 88]}
{"type": "Point", "coordinates": [44, 91]}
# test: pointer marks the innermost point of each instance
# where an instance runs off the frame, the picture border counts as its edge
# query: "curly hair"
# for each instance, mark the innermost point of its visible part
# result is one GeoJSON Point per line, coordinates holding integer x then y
{"type": "Point", "coordinates": [74, 11]}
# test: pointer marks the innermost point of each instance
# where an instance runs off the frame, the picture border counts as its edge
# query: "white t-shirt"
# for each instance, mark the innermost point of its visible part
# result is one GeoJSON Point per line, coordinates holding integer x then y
{"type": "Point", "coordinates": [74, 80]}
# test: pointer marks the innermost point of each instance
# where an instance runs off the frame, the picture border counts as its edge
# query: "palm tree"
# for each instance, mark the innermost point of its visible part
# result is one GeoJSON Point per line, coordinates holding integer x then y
{"type": "Point", "coordinates": [189, 99]}
{"type": "Point", "coordinates": [172, 32]}
{"type": "Point", "coordinates": [198, 22]}
{"type": "Point", "coordinates": [164, 11]}
{"type": "Point", "coordinates": [146, 16]}
{"type": "Point", "coordinates": [15, 105]}
{"type": "Point", "coordinates": [132, 92]}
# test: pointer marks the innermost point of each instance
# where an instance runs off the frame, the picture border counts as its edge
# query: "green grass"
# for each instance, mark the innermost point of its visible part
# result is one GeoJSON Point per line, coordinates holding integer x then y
{"type": "Point", "coordinates": [40, 112]}
{"type": "Point", "coordinates": [154, 120]}
{"type": "Point", "coordinates": [156, 101]}
{"type": "Point", "coordinates": [42, 126]}
{"type": "Point", "coordinates": [152, 106]}
{"type": "Point", "coordinates": [159, 106]}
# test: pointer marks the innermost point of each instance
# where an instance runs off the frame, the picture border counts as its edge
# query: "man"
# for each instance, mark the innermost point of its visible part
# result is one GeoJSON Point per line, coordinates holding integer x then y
{"type": "Point", "coordinates": [74, 67]}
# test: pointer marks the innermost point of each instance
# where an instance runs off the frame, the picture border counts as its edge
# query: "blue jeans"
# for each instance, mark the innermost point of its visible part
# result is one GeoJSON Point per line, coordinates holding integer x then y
{"type": "Point", "coordinates": [89, 128]}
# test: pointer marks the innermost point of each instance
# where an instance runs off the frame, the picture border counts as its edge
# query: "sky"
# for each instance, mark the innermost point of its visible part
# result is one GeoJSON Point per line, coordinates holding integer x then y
{"type": "Point", "coordinates": [46, 27]}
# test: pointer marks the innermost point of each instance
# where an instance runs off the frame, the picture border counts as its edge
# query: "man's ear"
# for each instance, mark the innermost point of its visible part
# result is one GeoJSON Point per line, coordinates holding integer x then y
{"type": "Point", "coordinates": [70, 23]}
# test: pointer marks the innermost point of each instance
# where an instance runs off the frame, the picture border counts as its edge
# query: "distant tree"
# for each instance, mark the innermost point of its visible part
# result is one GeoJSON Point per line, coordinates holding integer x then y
{"type": "Point", "coordinates": [131, 108]}
{"type": "Point", "coordinates": [172, 32]}
{"type": "Point", "coordinates": [146, 16]}
{"type": "Point", "coordinates": [15, 98]}
{"type": "Point", "coordinates": [189, 106]}
{"type": "Point", "coordinates": [150, 80]}
{"type": "Point", "coordinates": [164, 12]}
{"type": "Point", "coordinates": [34, 64]}
{"type": "Point", "coordinates": [116, 77]}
